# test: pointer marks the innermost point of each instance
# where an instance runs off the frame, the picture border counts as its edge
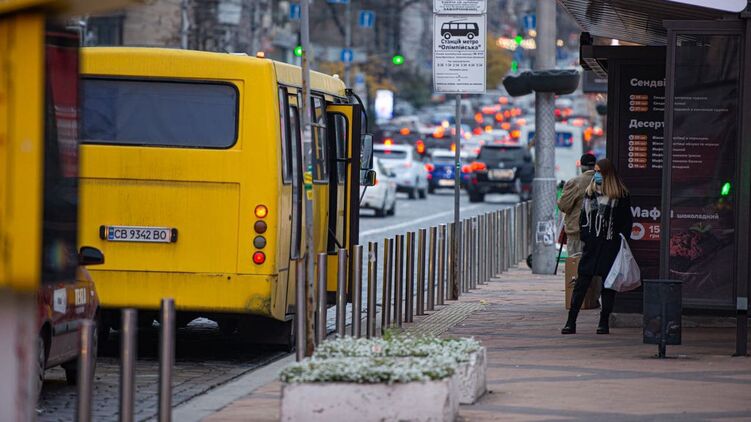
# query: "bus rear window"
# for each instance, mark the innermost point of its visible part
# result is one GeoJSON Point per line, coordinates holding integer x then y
{"type": "Point", "coordinates": [159, 113]}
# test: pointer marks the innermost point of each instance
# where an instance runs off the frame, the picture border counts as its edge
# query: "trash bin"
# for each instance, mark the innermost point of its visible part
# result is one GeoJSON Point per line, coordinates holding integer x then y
{"type": "Point", "coordinates": [663, 302]}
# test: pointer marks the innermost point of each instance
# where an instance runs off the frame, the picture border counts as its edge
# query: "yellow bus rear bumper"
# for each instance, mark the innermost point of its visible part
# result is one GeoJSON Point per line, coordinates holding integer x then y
{"type": "Point", "coordinates": [226, 293]}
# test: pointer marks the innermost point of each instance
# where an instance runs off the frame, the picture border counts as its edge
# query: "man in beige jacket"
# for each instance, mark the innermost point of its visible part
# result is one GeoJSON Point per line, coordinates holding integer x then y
{"type": "Point", "coordinates": [570, 202]}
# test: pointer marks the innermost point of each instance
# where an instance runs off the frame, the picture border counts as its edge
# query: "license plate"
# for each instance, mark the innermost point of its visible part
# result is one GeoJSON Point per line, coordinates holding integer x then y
{"type": "Point", "coordinates": [446, 182]}
{"type": "Point", "coordinates": [501, 174]}
{"type": "Point", "coordinates": [138, 234]}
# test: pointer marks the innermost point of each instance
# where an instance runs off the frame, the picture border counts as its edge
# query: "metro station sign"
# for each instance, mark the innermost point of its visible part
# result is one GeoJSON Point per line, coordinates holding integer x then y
{"type": "Point", "coordinates": [471, 7]}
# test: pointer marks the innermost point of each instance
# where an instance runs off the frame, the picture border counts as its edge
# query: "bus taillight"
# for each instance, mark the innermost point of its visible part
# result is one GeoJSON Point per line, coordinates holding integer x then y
{"type": "Point", "coordinates": [261, 211]}
{"type": "Point", "coordinates": [260, 227]}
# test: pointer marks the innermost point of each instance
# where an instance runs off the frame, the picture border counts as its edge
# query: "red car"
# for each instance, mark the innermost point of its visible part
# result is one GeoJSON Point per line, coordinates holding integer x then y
{"type": "Point", "coordinates": [61, 307]}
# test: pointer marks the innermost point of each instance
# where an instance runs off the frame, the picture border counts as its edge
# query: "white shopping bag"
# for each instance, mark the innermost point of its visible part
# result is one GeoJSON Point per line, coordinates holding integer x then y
{"type": "Point", "coordinates": [624, 275]}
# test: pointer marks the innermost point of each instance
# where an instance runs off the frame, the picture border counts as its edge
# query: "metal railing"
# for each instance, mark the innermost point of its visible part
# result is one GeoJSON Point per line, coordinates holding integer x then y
{"type": "Point", "coordinates": [416, 273]}
{"type": "Point", "coordinates": [415, 279]}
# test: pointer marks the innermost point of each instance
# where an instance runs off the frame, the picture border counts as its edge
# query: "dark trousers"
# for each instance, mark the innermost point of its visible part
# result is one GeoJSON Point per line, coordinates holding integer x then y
{"type": "Point", "coordinates": [577, 299]}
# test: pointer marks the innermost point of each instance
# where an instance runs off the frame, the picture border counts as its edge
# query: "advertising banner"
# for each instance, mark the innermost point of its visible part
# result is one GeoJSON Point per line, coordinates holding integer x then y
{"type": "Point", "coordinates": [704, 151]}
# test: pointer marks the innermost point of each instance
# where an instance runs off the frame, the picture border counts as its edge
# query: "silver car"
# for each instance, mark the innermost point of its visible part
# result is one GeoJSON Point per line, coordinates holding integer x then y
{"type": "Point", "coordinates": [410, 173]}
{"type": "Point", "coordinates": [382, 197]}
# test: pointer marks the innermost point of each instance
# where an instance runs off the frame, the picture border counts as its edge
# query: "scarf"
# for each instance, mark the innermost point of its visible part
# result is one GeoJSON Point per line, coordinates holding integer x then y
{"type": "Point", "coordinates": [599, 211]}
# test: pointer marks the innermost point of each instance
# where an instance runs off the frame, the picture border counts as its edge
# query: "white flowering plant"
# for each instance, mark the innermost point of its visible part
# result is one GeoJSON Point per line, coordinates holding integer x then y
{"type": "Point", "coordinates": [458, 349]}
{"type": "Point", "coordinates": [375, 370]}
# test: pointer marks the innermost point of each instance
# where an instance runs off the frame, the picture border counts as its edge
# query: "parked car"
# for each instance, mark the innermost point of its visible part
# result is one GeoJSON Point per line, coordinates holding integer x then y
{"type": "Point", "coordinates": [501, 169]}
{"type": "Point", "coordinates": [410, 174]}
{"type": "Point", "coordinates": [61, 307]}
{"type": "Point", "coordinates": [382, 196]}
{"type": "Point", "coordinates": [441, 169]}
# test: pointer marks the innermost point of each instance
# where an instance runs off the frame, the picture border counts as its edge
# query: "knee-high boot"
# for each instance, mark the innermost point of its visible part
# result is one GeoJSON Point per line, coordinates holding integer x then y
{"type": "Point", "coordinates": [577, 299]}
{"type": "Point", "coordinates": [608, 301]}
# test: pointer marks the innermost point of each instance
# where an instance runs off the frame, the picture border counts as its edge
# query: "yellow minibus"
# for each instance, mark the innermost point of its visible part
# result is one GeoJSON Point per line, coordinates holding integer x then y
{"type": "Point", "coordinates": [187, 166]}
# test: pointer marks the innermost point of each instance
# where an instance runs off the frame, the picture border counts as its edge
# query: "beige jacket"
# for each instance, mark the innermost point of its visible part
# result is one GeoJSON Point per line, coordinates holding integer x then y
{"type": "Point", "coordinates": [570, 202]}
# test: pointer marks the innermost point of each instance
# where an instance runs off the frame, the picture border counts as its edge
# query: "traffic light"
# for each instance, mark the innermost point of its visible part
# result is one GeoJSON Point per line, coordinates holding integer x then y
{"type": "Point", "coordinates": [514, 66]}
{"type": "Point", "coordinates": [397, 60]}
{"type": "Point", "coordinates": [725, 191]}
{"type": "Point", "coordinates": [298, 51]}
{"type": "Point", "coordinates": [518, 39]}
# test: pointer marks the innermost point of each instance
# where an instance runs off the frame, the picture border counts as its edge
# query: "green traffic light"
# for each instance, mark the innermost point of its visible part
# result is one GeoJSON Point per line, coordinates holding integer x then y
{"type": "Point", "coordinates": [518, 39]}
{"type": "Point", "coordinates": [514, 66]}
{"type": "Point", "coordinates": [398, 59]}
{"type": "Point", "coordinates": [298, 51]}
{"type": "Point", "coordinates": [725, 191]}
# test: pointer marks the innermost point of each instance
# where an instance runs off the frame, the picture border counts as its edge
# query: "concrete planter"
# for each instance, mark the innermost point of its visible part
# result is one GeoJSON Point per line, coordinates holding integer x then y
{"type": "Point", "coordinates": [414, 401]}
{"type": "Point", "coordinates": [471, 379]}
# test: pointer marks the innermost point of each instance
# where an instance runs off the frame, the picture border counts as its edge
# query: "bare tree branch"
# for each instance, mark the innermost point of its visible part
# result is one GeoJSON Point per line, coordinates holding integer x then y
{"type": "Point", "coordinates": [339, 25]}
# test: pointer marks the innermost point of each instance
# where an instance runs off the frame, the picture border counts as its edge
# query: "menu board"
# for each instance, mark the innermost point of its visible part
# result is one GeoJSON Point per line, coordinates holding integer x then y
{"type": "Point", "coordinates": [638, 99]}
{"type": "Point", "coordinates": [641, 120]}
{"type": "Point", "coordinates": [705, 140]}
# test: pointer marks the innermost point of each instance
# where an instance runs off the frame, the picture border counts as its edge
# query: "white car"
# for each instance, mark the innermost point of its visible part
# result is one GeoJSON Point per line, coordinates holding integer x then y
{"type": "Point", "coordinates": [382, 196]}
{"type": "Point", "coordinates": [410, 173]}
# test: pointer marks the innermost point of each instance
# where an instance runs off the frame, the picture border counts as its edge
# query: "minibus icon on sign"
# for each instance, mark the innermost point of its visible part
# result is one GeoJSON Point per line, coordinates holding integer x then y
{"type": "Point", "coordinates": [459, 29]}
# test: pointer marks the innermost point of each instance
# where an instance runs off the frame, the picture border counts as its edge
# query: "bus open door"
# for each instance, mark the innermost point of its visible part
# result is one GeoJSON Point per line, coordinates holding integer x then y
{"type": "Point", "coordinates": [352, 152]}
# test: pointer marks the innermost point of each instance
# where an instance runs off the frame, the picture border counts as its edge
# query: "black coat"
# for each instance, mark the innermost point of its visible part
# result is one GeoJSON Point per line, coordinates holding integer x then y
{"type": "Point", "coordinates": [599, 252]}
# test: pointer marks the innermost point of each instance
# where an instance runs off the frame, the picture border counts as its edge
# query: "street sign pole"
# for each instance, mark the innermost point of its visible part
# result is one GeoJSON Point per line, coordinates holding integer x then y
{"type": "Point", "coordinates": [456, 245]}
{"type": "Point", "coordinates": [458, 67]}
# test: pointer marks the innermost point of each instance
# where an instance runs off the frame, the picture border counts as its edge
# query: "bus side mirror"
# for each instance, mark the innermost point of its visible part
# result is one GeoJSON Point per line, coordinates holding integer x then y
{"type": "Point", "coordinates": [366, 152]}
{"type": "Point", "coordinates": [370, 178]}
{"type": "Point", "coordinates": [90, 256]}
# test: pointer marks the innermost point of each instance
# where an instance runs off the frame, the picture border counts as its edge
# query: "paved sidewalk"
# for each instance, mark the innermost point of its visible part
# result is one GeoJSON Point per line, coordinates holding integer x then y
{"type": "Point", "coordinates": [536, 374]}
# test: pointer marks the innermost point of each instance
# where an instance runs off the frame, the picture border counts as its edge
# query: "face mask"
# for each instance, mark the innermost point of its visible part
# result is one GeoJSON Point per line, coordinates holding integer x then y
{"type": "Point", "coordinates": [598, 178]}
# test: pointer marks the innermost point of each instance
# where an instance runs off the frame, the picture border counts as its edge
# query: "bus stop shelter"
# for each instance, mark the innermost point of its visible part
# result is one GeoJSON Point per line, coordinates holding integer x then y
{"type": "Point", "coordinates": [679, 124]}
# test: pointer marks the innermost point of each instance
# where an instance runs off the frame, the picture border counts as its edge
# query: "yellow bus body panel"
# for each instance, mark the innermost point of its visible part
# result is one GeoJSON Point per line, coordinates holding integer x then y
{"type": "Point", "coordinates": [208, 195]}
{"type": "Point", "coordinates": [21, 149]}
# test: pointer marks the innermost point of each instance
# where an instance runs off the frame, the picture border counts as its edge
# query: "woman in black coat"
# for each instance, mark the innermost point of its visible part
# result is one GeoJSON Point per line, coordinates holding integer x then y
{"type": "Point", "coordinates": [605, 215]}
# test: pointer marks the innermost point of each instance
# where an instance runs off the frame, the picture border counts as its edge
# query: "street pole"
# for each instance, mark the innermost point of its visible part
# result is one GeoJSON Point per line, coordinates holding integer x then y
{"type": "Point", "coordinates": [308, 178]}
{"type": "Point", "coordinates": [455, 248]}
{"type": "Point", "coordinates": [348, 42]}
{"type": "Point", "coordinates": [184, 24]}
{"type": "Point", "coordinates": [544, 184]}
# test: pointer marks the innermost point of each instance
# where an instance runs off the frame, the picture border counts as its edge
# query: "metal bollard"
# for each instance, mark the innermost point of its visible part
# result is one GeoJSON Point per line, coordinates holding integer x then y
{"type": "Point", "coordinates": [166, 358]}
{"type": "Point", "coordinates": [409, 292]}
{"type": "Point", "coordinates": [85, 371]}
{"type": "Point", "coordinates": [493, 245]}
{"type": "Point", "coordinates": [399, 280]}
{"type": "Point", "coordinates": [506, 230]}
{"type": "Point", "coordinates": [484, 248]}
{"type": "Point", "coordinates": [450, 264]}
{"type": "Point", "coordinates": [475, 253]}
{"type": "Point", "coordinates": [300, 309]}
{"type": "Point", "coordinates": [128, 351]}
{"type": "Point", "coordinates": [420, 297]}
{"type": "Point", "coordinates": [357, 291]}
{"type": "Point", "coordinates": [321, 305]}
{"type": "Point", "coordinates": [341, 292]}
{"type": "Point", "coordinates": [517, 234]}
{"type": "Point", "coordinates": [432, 267]}
{"type": "Point", "coordinates": [442, 241]}
{"type": "Point", "coordinates": [467, 250]}
{"type": "Point", "coordinates": [504, 233]}
{"type": "Point", "coordinates": [370, 327]}
{"type": "Point", "coordinates": [388, 250]}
